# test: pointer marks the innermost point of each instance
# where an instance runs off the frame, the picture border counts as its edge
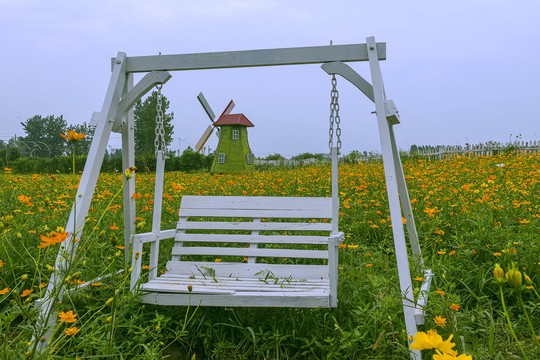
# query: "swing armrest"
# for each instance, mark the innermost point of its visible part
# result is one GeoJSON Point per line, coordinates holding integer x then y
{"type": "Point", "coordinates": [138, 241]}
{"type": "Point", "coordinates": [151, 237]}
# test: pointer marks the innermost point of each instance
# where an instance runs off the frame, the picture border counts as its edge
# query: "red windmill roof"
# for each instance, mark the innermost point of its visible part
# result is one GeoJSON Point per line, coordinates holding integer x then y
{"type": "Point", "coordinates": [233, 119]}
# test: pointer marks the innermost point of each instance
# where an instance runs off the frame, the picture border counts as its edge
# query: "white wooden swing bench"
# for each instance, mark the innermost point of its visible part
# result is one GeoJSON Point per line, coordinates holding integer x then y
{"type": "Point", "coordinates": [272, 228]}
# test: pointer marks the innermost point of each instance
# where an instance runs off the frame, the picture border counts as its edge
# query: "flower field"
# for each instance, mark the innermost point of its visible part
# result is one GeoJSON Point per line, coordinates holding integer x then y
{"type": "Point", "coordinates": [472, 213]}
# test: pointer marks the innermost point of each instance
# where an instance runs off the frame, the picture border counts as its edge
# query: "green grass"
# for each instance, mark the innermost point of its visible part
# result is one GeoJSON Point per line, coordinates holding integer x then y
{"type": "Point", "coordinates": [471, 213]}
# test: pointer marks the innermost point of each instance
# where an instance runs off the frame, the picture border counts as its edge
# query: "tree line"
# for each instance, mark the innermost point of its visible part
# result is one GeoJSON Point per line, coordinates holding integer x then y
{"type": "Point", "coordinates": [42, 133]}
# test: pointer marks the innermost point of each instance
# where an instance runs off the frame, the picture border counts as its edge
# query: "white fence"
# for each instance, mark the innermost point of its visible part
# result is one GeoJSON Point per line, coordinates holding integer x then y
{"type": "Point", "coordinates": [290, 162]}
{"type": "Point", "coordinates": [490, 148]}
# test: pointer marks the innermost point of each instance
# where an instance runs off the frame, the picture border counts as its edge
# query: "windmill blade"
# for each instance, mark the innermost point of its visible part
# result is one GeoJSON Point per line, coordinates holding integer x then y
{"type": "Point", "coordinates": [206, 107]}
{"type": "Point", "coordinates": [228, 109]}
{"type": "Point", "coordinates": [204, 138]}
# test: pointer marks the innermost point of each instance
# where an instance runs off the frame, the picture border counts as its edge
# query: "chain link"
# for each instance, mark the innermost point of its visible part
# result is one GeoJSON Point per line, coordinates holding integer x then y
{"type": "Point", "coordinates": [334, 116]}
{"type": "Point", "coordinates": [159, 141]}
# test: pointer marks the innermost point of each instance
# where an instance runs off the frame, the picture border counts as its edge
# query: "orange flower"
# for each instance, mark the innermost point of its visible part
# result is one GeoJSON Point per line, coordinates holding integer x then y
{"type": "Point", "coordinates": [440, 321]}
{"type": "Point", "coordinates": [95, 284]}
{"type": "Point", "coordinates": [114, 227]}
{"type": "Point", "coordinates": [52, 239]}
{"type": "Point", "coordinates": [68, 317]}
{"type": "Point", "coordinates": [454, 307]}
{"type": "Point", "coordinates": [430, 212]}
{"type": "Point", "coordinates": [4, 291]}
{"type": "Point", "coordinates": [440, 292]}
{"type": "Point", "coordinates": [26, 292]}
{"type": "Point", "coordinates": [25, 200]}
{"type": "Point", "coordinates": [71, 331]}
{"type": "Point", "coordinates": [1, 263]}
{"type": "Point", "coordinates": [73, 136]}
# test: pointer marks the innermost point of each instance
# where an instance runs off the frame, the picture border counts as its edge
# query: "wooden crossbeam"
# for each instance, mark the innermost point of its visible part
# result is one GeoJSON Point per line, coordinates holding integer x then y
{"type": "Point", "coordinates": [252, 58]}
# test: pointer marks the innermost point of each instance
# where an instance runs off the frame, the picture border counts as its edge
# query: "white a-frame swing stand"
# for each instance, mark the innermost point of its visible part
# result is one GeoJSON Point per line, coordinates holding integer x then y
{"type": "Point", "coordinates": [116, 116]}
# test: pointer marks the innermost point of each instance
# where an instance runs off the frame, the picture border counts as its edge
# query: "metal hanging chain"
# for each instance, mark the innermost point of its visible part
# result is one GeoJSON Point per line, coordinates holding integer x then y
{"type": "Point", "coordinates": [159, 142]}
{"type": "Point", "coordinates": [334, 116]}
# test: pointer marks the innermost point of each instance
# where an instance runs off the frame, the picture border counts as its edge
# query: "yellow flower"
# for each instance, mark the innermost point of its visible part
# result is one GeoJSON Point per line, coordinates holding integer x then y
{"type": "Point", "coordinates": [68, 317]}
{"type": "Point", "coordinates": [443, 356]}
{"type": "Point", "coordinates": [440, 321]}
{"type": "Point", "coordinates": [432, 340]}
{"type": "Point", "coordinates": [73, 136]}
{"type": "Point", "coordinates": [71, 331]}
{"type": "Point", "coordinates": [498, 274]}
{"type": "Point", "coordinates": [514, 278]}
{"type": "Point", "coordinates": [130, 172]}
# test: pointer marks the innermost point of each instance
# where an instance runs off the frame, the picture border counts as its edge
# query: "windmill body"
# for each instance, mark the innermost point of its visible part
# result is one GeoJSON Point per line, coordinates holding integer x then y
{"type": "Point", "coordinates": [233, 153]}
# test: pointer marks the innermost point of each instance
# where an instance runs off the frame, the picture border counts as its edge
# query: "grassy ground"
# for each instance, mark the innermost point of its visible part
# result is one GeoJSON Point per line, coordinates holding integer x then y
{"type": "Point", "coordinates": [471, 213]}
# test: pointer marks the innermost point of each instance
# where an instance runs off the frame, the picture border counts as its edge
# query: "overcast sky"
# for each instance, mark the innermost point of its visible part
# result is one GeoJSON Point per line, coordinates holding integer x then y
{"type": "Point", "coordinates": [459, 71]}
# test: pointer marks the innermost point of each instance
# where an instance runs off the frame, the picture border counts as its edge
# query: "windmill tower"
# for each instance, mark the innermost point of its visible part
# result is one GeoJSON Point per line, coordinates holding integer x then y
{"type": "Point", "coordinates": [233, 153]}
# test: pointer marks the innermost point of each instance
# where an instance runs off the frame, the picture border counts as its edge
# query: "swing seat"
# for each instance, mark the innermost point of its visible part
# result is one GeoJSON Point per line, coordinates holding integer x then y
{"type": "Point", "coordinates": [251, 252]}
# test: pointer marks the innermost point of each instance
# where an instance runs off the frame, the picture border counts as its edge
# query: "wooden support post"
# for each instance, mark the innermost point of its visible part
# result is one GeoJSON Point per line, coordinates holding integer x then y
{"type": "Point", "coordinates": [400, 246]}
{"type": "Point", "coordinates": [405, 202]}
{"type": "Point", "coordinates": [128, 160]}
{"type": "Point", "coordinates": [83, 198]}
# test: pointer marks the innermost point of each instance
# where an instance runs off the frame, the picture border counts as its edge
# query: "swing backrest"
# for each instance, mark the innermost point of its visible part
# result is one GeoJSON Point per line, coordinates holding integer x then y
{"type": "Point", "coordinates": [240, 236]}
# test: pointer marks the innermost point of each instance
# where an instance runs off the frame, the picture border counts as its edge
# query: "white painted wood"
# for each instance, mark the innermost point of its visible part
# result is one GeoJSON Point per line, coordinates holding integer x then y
{"type": "Point", "coordinates": [247, 270]}
{"type": "Point", "coordinates": [231, 286]}
{"type": "Point", "coordinates": [419, 313]}
{"type": "Point", "coordinates": [150, 237]}
{"type": "Point", "coordinates": [135, 93]}
{"type": "Point", "coordinates": [260, 203]}
{"type": "Point", "coordinates": [405, 202]}
{"type": "Point", "coordinates": [251, 226]}
{"type": "Point", "coordinates": [392, 191]}
{"type": "Point", "coordinates": [352, 76]}
{"type": "Point", "coordinates": [84, 193]}
{"type": "Point", "coordinates": [254, 245]}
{"type": "Point", "coordinates": [250, 58]}
{"type": "Point", "coordinates": [333, 243]}
{"type": "Point", "coordinates": [230, 281]}
{"type": "Point", "coordinates": [248, 299]}
{"type": "Point", "coordinates": [156, 219]}
{"type": "Point", "coordinates": [242, 282]}
{"type": "Point", "coordinates": [94, 119]}
{"type": "Point", "coordinates": [335, 192]}
{"type": "Point", "coordinates": [245, 252]}
{"type": "Point", "coordinates": [254, 238]}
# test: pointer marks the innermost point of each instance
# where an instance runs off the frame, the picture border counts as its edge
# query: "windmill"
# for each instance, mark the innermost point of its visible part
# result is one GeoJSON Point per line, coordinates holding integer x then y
{"type": "Point", "coordinates": [233, 153]}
